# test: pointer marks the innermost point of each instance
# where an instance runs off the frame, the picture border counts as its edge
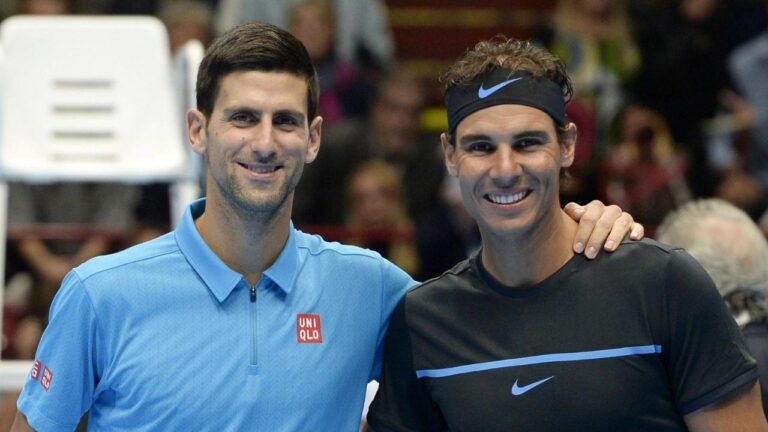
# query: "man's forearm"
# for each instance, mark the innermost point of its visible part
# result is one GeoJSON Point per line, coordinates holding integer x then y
{"type": "Point", "coordinates": [20, 424]}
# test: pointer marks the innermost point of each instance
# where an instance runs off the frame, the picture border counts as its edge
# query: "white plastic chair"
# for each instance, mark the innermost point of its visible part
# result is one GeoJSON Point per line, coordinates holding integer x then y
{"type": "Point", "coordinates": [87, 98]}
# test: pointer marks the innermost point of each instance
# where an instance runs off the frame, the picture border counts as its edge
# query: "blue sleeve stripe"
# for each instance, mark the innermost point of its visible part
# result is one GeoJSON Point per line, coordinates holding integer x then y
{"type": "Point", "coordinates": [539, 359]}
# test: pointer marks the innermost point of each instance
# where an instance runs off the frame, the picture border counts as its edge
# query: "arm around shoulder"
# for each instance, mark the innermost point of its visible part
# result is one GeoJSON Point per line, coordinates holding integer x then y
{"type": "Point", "coordinates": [742, 412]}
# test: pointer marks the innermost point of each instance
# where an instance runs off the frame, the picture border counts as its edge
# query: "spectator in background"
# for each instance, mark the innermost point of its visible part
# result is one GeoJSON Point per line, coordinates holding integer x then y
{"type": "Point", "coordinates": [594, 40]}
{"type": "Point", "coordinates": [46, 7]}
{"type": "Point", "coordinates": [643, 170]}
{"type": "Point", "coordinates": [107, 208]}
{"type": "Point", "coordinates": [390, 133]}
{"type": "Point", "coordinates": [187, 20]}
{"type": "Point", "coordinates": [446, 234]}
{"type": "Point", "coordinates": [683, 48]}
{"type": "Point", "coordinates": [344, 91]}
{"type": "Point", "coordinates": [362, 34]}
{"type": "Point", "coordinates": [734, 251]}
{"type": "Point", "coordinates": [138, 7]}
{"type": "Point", "coordinates": [683, 61]}
{"type": "Point", "coordinates": [26, 335]}
{"type": "Point", "coordinates": [748, 66]}
{"type": "Point", "coordinates": [375, 206]}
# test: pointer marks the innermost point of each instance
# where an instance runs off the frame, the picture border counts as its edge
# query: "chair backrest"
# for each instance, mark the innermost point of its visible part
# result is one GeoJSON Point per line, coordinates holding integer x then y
{"type": "Point", "coordinates": [88, 98]}
{"type": "Point", "coordinates": [85, 98]}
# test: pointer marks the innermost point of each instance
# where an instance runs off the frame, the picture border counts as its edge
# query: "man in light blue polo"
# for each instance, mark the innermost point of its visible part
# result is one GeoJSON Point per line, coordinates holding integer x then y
{"type": "Point", "coordinates": [234, 321]}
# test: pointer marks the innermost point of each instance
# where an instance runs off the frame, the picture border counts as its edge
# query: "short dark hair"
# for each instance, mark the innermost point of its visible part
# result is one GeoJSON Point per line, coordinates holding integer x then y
{"type": "Point", "coordinates": [254, 46]}
{"type": "Point", "coordinates": [513, 54]}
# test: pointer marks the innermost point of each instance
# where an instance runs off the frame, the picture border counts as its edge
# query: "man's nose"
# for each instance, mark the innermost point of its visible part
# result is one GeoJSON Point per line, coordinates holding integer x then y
{"type": "Point", "coordinates": [506, 166]}
{"type": "Point", "coordinates": [262, 141]}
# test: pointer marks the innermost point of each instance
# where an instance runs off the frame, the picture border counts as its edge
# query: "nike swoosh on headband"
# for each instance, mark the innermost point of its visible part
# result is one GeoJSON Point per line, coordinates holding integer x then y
{"type": "Point", "coordinates": [483, 93]}
{"type": "Point", "coordinates": [517, 391]}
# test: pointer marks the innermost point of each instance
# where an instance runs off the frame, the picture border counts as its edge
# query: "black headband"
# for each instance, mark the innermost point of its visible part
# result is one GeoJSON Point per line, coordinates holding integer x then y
{"type": "Point", "coordinates": [503, 87]}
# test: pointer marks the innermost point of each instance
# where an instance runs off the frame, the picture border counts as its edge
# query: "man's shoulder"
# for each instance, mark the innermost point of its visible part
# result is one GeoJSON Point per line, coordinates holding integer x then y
{"type": "Point", "coordinates": [316, 246]}
{"type": "Point", "coordinates": [459, 275]}
{"type": "Point", "coordinates": [640, 249]}
{"type": "Point", "coordinates": [143, 253]}
{"type": "Point", "coordinates": [352, 264]}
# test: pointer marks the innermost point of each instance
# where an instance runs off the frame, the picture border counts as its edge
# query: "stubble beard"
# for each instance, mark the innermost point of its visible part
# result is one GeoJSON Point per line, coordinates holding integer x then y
{"type": "Point", "coordinates": [252, 204]}
{"type": "Point", "coordinates": [248, 202]}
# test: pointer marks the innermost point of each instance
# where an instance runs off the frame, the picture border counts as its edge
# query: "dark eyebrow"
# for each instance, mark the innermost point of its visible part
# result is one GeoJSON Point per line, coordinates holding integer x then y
{"type": "Point", "coordinates": [536, 134]}
{"type": "Point", "coordinates": [226, 112]}
{"type": "Point", "coordinates": [299, 116]}
{"type": "Point", "coordinates": [468, 139]}
{"type": "Point", "coordinates": [540, 135]}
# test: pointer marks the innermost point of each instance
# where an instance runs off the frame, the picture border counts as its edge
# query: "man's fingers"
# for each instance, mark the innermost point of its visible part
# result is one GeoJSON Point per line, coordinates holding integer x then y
{"type": "Point", "coordinates": [587, 222]}
{"type": "Point", "coordinates": [604, 226]}
{"type": "Point", "coordinates": [601, 226]}
{"type": "Point", "coordinates": [620, 228]}
{"type": "Point", "coordinates": [575, 211]}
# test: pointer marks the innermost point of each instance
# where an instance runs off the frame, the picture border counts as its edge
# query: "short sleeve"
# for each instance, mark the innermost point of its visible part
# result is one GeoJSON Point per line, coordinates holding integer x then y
{"type": "Point", "coordinates": [402, 402]}
{"type": "Point", "coordinates": [60, 386]}
{"type": "Point", "coordinates": [396, 283]}
{"type": "Point", "coordinates": [707, 356]}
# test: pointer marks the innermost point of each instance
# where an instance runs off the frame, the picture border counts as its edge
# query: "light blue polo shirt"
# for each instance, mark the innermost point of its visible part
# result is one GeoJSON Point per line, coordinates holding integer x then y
{"type": "Point", "coordinates": [164, 336]}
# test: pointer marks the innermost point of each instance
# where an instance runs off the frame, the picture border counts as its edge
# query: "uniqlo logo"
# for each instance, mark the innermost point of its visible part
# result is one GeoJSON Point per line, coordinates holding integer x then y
{"type": "Point", "coordinates": [36, 370]}
{"type": "Point", "coordinates": [308, 329]}
{"type": "Point", "coordinates": [45, 381]}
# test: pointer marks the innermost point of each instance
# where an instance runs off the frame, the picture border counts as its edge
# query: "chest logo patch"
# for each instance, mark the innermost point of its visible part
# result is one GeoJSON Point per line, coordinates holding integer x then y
{"type": "Point", "coordinates": [517, 390]}
{"type": "Point", "coordinates": [308, 328]}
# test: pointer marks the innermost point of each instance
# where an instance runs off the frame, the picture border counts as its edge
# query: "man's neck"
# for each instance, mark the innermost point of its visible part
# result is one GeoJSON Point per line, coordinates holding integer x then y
{"type": "Point", "coordinates": [247, 245]}
{"type": "Point", "coordinates": [530, 258]}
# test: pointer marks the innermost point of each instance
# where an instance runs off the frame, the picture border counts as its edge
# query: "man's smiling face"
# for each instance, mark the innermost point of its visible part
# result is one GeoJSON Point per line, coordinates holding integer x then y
{"type": "Point", "coordinates": [258, 139]}
{"type": "Point", "coordinates": [508, 159]}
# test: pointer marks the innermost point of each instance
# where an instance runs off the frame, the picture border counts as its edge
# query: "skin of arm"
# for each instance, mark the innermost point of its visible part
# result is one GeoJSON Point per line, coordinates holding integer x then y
{"type": "Point", "coordinates": [94, 246]}
{"type": "Point", "coordinates": [49, 266]}
{"type": "Point", "coordinates": [20, 424]}
{"type": "Point", "coordinates": [53, 267]}
{"type": "Point", "coordinates": [742, 412]}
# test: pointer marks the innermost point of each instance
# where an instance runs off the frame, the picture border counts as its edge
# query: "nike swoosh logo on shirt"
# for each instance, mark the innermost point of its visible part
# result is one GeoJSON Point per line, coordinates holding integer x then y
{"type": "Point", "coordinates": [483, 93]}
{"type": "Point", "coordinates": [517, 391]}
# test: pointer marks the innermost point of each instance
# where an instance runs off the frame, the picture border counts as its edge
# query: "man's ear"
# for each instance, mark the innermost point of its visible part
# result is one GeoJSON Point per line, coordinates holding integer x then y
{"type": "Point", "coordinates": [196, 130]}
{"type": "Point", "coordinates": [449, 152]}
{"type": "Point", "coordinates": [315, 136]}
{"type": "Point", "coordinates": [568, 145]}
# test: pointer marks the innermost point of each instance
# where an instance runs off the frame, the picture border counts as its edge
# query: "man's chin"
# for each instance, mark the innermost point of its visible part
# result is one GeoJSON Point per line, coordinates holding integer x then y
{"type": "Point", "coordinates": [262, 205]}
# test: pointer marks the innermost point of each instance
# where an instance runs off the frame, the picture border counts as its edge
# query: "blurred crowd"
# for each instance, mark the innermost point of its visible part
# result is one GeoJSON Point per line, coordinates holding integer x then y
{"type": "Point", "coordinates": [671, 104]}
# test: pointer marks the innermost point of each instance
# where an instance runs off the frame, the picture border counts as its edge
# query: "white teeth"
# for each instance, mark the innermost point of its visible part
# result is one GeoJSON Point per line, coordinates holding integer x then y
{"type": "Point", "coordinates": [261, 169]}
{"type": "Point", "coordinates": [505, 199]}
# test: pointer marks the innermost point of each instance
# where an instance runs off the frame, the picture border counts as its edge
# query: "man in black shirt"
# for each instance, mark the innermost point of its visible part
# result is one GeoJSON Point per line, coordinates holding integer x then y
{"type": "Point", "coordinates": [525, 335]}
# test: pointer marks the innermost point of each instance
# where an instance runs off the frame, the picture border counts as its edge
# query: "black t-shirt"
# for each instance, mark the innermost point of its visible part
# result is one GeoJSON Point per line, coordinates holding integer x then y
{"type": "Point", "coordinates": [632, 341]}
